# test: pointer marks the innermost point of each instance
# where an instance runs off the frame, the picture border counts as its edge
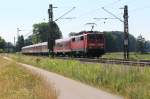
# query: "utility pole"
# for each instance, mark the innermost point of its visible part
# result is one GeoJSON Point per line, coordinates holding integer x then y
{"type": "Point", "coordinates": [14, 40]}
{"type": "Point", "coordinates": [126, 33]}
{"type": "Point", "coordinates": [50, 13]}
{"type": "Point", "coordinates": [51, 41]}
{"type": "Point", "coordinates": [18, 30]}
{"type": "Point", "coordinates": [14, 44]}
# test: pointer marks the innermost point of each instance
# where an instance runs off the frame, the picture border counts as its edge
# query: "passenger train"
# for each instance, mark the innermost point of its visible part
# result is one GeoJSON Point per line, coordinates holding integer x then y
{"type": "Point", "coordinates": [86, 44]}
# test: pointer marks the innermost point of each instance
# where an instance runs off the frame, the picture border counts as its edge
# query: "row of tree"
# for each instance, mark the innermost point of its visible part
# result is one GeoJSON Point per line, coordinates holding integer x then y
{"type": "Point", "coordinates": [5, 46]}
{"type": "Point", "coordinates": [2, 44]}
{"type": "Point", "coordinates": [115, 39]}
{"type": "Point", "coordinates": [42, 32]}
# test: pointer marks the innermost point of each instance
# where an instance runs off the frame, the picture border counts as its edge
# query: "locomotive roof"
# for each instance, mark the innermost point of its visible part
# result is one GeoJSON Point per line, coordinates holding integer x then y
{"type": "Point", "coordinates": [62, 40]}
{"type": "Point", "coordinates": [35, 45]}
{"type": "Point", "coordinates": [87, 32]}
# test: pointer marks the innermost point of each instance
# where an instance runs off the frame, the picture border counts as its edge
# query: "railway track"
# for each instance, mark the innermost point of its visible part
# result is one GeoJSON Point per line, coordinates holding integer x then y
{"type": "Point", "coordinates": [142, 63]}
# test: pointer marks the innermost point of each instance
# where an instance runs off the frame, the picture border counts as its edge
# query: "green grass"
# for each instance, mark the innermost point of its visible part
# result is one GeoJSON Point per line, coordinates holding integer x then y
{"type": "Point", "coordinates": [133, 55]}
{"type": "Point", "coordinates": [130, 82]}
{"type": "Point", "coordinates": [18, 83]}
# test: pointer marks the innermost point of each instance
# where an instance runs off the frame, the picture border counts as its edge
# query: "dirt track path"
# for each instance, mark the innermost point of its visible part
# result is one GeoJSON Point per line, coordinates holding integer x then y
{"type": "Point", "coordinates": [70, 89]}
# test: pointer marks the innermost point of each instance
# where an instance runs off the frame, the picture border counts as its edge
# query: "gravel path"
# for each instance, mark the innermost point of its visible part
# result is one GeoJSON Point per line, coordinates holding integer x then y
{"type": "Point", "coordinates": [68, 88]}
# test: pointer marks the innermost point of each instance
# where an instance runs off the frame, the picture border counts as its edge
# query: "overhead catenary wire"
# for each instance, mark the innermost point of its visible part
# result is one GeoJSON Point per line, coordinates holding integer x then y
{"type": "Point", "coordinates": [112, 14]}
{"type": "Point", "coordinates": [92, 11]}
{"type": "Point", "coordinates": [103, 18]}
{"type": "Point", "coordinates": [27, 34]}
{"type": "Point", "coordinates": [99, 8]}
{"type": "Point", "coordinates": [65, 14]}
{"type": "Point", "coordinates": [86, 13]}
{"type": "Point", "coordinates": [108, 18]}
{"type": "Point", "coordinates": [69, 18]}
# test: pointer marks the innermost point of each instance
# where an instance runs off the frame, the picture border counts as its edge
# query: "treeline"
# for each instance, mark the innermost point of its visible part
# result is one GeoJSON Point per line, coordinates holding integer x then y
{"type": "Point", "coordinates": [2, 44]}
{"type": "Point", "coordinates": [45, 32]}
{"type": "Point", "coordinates": [42, 32]}
{"type": "Point", "coordinates": [114, 39]}
{"type": "Point", "coordinates": [5, 46]}
{"type": "Point", "coordinates": [114, 42]}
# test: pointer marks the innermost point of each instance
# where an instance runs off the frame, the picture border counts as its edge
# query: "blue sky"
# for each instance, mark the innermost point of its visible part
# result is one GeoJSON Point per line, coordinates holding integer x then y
{"type": "Point", "coordinates": [24, 13]}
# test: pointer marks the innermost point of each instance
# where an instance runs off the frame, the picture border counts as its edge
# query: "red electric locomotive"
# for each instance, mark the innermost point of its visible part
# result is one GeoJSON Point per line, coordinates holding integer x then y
{"type": "Point", "coordinates": [88, 43]}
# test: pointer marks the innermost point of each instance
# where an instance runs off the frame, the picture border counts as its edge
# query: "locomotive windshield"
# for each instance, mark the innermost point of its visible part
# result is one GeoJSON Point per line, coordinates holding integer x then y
{"type": "Point", "coordinates": [95, 36]}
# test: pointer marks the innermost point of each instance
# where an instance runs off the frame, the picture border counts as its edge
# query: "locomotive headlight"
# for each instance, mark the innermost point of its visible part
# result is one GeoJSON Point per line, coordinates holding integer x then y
{"type": "Point", "coordinates": [98, 44]}
{"type": "Point", "coordinates": [91, 44]}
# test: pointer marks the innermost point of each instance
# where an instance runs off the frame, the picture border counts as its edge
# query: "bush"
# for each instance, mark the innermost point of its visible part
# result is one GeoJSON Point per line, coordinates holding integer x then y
{"type": "Point", "coordinates": [1, 51]}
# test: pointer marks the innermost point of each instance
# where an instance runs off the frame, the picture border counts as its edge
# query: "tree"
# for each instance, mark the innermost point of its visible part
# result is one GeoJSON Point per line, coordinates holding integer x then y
{"type": "Point", "coordinates": [110, 42]}
{"type": "Point", "coordinates": [2, 44]}
{"type": "Point", "coordinates": [71, 34]}
{"type": "Point", "coordinates": [147, 46]}
{"type": "Point", "coordinates": [43, 31]}
{"type": "Point", "coordinates": [114, 41]}
{"type": "Point", "coordinates": [9, 47]}
{"type": "Point", "coordinates": [141, 44]}
{"type": "Point", "coordinates": [20, 43]}
{"type": "Point", "coordinates": [28, 41]}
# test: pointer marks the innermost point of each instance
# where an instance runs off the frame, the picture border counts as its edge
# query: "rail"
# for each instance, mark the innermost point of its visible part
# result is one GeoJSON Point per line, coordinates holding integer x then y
{"type": "Point", "coordinates": [142, 63]}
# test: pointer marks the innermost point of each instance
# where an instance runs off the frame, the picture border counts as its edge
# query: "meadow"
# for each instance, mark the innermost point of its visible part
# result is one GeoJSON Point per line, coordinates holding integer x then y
{"type": "Point", "coordinates": [18, 83]}
{"type": "Point", "coordinates": [128, 81]}
{"type": "Point", "coordinates": [133, 55]}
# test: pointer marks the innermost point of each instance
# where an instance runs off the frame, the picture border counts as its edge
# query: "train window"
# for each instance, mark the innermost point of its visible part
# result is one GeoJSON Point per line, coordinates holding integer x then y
{"type": "Point", "coordinates": [94, 36]}
{"type": "Point", "coordinates": [58, 44]}
{"type": "Point", "coordinates": [76, 39]}
{"type": "Point", "coordinates": [73, 39]}
{"type": "Point", "coordinates": [81, 38]}
{"type": "Point", "coordinates": [65, 44]}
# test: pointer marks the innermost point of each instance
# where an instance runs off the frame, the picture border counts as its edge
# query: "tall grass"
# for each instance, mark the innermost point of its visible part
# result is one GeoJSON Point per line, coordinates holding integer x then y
{"type": "Point", "coordinates": [17, 83]}
{"type": "Point", "coordinates": [131, 82]}
{"type": "Point", "coordinates": [133, 55]}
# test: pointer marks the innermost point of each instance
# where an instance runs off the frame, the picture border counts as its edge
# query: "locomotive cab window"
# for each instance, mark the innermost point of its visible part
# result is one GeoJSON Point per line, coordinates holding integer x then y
{"type": "Point", "coordinates": [81, 38]}
{"type": "Point", "coordinates": [94, 36]}
{"type": "Point", "coordinates": [73, 39]}
{"type": "Point", "coordinates": [77, 39]}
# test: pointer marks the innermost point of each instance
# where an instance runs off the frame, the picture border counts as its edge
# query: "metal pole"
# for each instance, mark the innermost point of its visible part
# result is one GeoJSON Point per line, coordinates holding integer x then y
{"type": "Point", "coordinates": [14, 40]}
{"type": "Point", "coordinates": [50, 13]}
{"type": "Point", "coordinates": [17, 33]}
{"type": "Point", "coordinates": [18, 30]}
{"type": "Point", "coordinates": [126, 33]}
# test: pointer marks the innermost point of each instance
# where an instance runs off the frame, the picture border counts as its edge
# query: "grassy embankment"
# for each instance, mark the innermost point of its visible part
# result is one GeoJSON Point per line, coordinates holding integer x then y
{"type": "Point", "coordinates": [17, 83]}
{"type": "Point", "coordinates": [130, 82]}
{"type": "Point", "coordinates": [133, 55]}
